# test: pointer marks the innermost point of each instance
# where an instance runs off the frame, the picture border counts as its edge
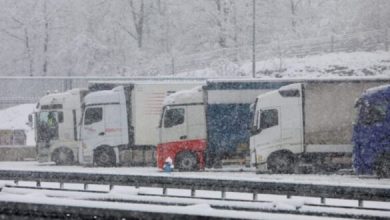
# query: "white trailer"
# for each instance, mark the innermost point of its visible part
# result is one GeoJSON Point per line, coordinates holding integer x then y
{"type": "Point", "coordinates": [306, 125]}
{"type": "Point", "coordinates": [119, 126]}
{"type": "Point", "coordinates": [56, 126]}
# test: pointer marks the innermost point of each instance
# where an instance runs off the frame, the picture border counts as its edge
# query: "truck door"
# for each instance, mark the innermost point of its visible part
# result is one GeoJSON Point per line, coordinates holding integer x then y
{"type": "Point", "coordinates": [113, 128]}
{"type": "Point", "coordinates": [93, 126]}
{"type": "Point", "coordinates": [268, 127]}
{"type": "Point", "coordinates": [174, 124]}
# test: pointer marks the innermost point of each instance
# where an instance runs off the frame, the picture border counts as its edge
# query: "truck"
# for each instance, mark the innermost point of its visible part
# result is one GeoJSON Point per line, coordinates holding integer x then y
{"type": "Point", "coordinates": [120, 119]}
{"type": "Point", "coordinates": [208, 126]}
{"type": "Point", "coordinates": [371, 132]}
{"type": "Point", "coordinates": [56, 126]}
{"type": "Point", "coordinates": [306, 126]}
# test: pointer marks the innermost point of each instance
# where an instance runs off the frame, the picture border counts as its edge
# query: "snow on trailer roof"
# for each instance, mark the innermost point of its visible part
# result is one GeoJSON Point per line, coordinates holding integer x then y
{"type": "Point", "coordinates": [145, 82]}
{"type": "Point", "coordinates": [193, 95]}
{"type": "Point", "coordinates": [240, 80]}
{"type": "Point", "coordinates": [108, 85]}
{"type": "Point", "coordinates": [376, 89]}
{"type": "Point", "coordinates": [273, 83]}
{"type": "Point", "coordinates": [126, 78]}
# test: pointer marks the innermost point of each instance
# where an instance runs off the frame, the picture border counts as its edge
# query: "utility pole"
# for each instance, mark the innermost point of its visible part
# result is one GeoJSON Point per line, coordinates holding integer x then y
{"type": "Point", "coordinates": [254, 39]}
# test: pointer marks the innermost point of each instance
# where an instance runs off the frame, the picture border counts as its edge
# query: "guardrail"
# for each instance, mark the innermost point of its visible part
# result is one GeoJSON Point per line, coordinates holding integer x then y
{"type": "Point", "coordinates": [44, 211]}
{"type": "Point", "coordinates": [359, 193]}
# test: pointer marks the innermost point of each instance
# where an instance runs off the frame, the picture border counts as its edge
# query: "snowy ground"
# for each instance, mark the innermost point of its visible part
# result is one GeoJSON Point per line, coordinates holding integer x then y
{"type": "Point", "coordinates": [334, 179]}
{"type": "Point", "coordinates": [16, 118]}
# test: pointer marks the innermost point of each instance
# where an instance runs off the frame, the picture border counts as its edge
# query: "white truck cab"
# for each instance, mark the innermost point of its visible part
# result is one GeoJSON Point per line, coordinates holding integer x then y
{"type": "Point", "coordinates": [183, 130]}
{"type": "Point", "coordinates": [56, 126]}
{"type": "Point", "coordinates": [102, 125]}
{"type": "Point", "coordinates": [278, 124]}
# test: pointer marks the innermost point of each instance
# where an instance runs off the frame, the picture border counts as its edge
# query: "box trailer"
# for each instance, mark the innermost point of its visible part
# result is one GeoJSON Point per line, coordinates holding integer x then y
{"type": "Point", "coordinates": [371, 132]}
{"type": "Point", "coordinates": [119, 126]}
{"type": "Point", "coordinates": [306, 125]}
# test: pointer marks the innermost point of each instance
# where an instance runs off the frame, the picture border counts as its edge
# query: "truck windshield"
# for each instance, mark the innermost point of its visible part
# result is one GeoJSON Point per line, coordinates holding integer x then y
{"type": "Point", "coordinates": [371, 113]}
{"type": "Point", "coordinates": [47, 123]}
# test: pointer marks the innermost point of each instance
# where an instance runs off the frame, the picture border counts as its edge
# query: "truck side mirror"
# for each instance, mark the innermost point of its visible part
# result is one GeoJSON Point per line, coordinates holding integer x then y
{"type": "Point", "coordinates": [30, 121]}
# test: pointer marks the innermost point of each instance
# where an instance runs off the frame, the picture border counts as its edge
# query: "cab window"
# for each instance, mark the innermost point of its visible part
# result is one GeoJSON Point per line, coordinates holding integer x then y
{"type": "Point", "coordinates": [173, 117]}
{"type": "Point", "coordinates": [93, 115]}
{"type": "Point", "coordinates": [269, 118]}
{"type": "Point", "coordinates": [373, 113]}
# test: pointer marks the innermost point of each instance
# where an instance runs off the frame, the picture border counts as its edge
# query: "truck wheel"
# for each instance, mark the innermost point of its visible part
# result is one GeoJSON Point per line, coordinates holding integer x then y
{"type": "Point", "coordinates": [104, 157]}
{"type": "Point", "coordinates": [186, 161]}
{"type": "Point", "coordinates": [282, 162]}
{"type": "Point", "coordinates": [382, 167]}
{"type": "Point", "coordinates": [63, 156]}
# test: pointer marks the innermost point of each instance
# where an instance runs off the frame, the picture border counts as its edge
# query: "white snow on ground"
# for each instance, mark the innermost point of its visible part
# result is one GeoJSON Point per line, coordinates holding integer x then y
{"type": "Point", "coordinates": [325, 65]}
{"type": "Point", "coordinates": [16, 118]}
{"type": "Point", "coordinates": [197, 209]}
{"type": "Point", "coordinates": [130, 195]}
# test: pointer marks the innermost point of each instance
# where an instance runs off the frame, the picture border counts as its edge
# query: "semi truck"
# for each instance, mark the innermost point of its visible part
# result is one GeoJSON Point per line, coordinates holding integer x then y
{"type": "Point", "coordinates": [208, 126]}
{"type": "Point", "coordinates": [306, 126]}
{"type": "Point", "coordinates": [56, 126]}
{"type": "Point", "coordinates": [119, 126]}
{"type": "Point", "coordinates": [371, 132]}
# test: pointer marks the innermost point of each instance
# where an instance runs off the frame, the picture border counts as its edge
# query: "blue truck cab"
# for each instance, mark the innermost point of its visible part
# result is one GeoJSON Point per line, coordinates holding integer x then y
{"type": "Point", "coordinates": [371, 133]}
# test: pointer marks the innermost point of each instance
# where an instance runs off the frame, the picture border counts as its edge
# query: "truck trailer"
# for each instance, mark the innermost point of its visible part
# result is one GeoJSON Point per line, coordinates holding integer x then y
{"type": "Point", "coordinates": [119, 126]}
{"type": "Point", "coordinates": [56, 126]}
{"type": "Point", "coordinates": [208, 126]}
{"type": "Point", "coordinates": [371, 132]}
{"type": "Point", "coordinates": [306, 126]}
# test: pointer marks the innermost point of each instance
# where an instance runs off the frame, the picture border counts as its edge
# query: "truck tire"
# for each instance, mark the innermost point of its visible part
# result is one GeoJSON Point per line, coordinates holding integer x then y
{"type": "Point", "coordinates": [104, 157]}
{"type": "Point", "coordinates": [63, 156]}
{"type": "Point", "coordinates": [382, 166]}
{"type": "Point", "coordinates": [281, 162]}
{"type": "Point", "coordinates": [186, 161]}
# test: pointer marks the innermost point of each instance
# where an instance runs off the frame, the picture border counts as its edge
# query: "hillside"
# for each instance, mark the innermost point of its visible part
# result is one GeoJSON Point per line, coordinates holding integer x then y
{"type": "Point", "coordinates": [326, 65]}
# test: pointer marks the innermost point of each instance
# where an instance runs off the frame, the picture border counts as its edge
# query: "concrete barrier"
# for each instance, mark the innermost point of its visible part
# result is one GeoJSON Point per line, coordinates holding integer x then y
{"type": "Point", "coordinates": [17, 152]}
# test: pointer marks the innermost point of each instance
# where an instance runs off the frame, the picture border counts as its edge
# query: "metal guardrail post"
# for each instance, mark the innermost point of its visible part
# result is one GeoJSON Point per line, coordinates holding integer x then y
{"type": "Point", "coordinates": [255, 195]}
{"type": "Point", "coordinates": [193, 191]}
{"type": "Point", "coordinates": [164, 190]}
{"type": "Point", "coordinates": [223, 194]}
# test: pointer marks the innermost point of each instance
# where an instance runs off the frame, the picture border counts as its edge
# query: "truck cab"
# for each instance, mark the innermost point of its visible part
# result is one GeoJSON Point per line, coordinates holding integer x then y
{"type": "Point", "coordinates": [182, 130]}
{"type": "Point", "coordinates": [371, 132]}
{"type": "Point", "coordinates": [277, 129]}
{"type": "Point", "coordinates": [56, 126]}
{"type": "Point", "coordinates": [103, 127]}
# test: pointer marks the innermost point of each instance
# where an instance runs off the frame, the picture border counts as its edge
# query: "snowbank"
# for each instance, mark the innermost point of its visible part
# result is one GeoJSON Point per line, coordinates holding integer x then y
{"type": "Point", "coordinates": [16, 118]}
